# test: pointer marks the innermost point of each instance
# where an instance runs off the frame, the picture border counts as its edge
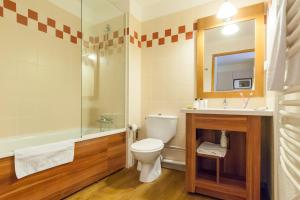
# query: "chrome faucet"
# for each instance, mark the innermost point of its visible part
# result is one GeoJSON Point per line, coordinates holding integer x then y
{"type": "Point", "coordinates": [246, 100]}
{"type": "Point", "coordinates": [104, 119]}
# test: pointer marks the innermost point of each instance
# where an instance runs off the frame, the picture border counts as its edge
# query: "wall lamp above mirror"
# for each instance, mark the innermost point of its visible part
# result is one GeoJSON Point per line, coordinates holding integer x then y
{"type": "Point", "coordinates": [230, 54]}
{"type": "Point", "coordinates": [226, 11]}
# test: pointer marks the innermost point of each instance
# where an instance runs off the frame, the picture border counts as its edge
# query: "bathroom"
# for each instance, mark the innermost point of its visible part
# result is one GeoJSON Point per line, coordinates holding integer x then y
{"type": "Point", "coordinates": [113, 99]}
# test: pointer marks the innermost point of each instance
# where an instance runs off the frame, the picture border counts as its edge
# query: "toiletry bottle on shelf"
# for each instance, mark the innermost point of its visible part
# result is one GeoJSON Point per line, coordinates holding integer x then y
{"type": "Point", "coordinates": [200, 102]}
{"type": "Point", "coordinates": [223, 141]}
{"type": "Point", "coordinates": [205, 103]}
{"type": "Point", "coordinates": [196, 104]}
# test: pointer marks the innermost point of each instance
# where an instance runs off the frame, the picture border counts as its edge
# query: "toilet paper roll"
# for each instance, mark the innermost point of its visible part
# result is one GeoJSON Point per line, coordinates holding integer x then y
{"type": "Point", "coordinates": [133, 127]}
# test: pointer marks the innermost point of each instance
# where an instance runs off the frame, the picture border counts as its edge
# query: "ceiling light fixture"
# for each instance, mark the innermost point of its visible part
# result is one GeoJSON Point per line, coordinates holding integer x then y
{"type": "Point", "coordinates": [230, 29]}
{"type": "Point", "coordinates": [226, 11]}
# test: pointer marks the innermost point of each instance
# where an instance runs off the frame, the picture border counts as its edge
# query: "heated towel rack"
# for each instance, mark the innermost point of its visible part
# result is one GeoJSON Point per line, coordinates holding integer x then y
{"type": "Point", "coordinates": [289, 103]}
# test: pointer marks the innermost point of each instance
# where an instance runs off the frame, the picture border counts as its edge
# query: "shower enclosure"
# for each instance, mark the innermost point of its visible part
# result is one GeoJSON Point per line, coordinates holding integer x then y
{"type": "Point", "coordinates": [103, 67]}
{"type": "Point", "coordinates": [62, 71]}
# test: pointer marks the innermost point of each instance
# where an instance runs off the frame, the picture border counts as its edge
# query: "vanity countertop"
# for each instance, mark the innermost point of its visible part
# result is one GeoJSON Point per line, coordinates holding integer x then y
{"type": "Point", "coordinates": [230, 111]}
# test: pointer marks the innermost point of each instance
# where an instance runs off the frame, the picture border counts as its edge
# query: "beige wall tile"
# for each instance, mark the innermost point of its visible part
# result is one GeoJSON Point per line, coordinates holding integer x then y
{"type": "Point", "coordinates": [40, 75]}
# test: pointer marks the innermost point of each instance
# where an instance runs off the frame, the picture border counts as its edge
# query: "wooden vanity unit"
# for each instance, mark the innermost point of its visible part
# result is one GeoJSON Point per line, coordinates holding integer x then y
{"type": "Point", "coordinates": [237, 175]}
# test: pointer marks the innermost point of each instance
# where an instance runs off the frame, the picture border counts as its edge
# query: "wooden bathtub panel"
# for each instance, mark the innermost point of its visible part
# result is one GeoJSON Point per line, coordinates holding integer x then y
{"type": "Point", "coordinates": [94, 159]}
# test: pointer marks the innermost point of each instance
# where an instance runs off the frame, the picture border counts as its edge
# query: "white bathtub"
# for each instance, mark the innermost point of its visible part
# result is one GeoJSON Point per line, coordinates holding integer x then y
{"type": "Point", "coordinates": [8, 145]}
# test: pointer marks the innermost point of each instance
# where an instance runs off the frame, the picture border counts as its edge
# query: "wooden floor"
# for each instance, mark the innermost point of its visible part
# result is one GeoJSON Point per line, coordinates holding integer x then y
{"type": "Point", "coordinates": [125, 185]}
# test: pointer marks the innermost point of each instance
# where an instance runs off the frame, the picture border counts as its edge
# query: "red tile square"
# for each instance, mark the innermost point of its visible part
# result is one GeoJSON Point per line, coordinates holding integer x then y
{"type": "Point", "coordinates": [139, 44]}
{"type": "Point", "coordinates": [73, 39]}
{"type": "Point", "coordinates": [161, 41]}
{"type": "Point", "coordinates": [121, 40]}
{"type": "Point", "coordinates": [10, 5]}
{"type": "Point", "coordinates": [136, 36]}
{"type": "Point", "coordinates": [79, 34]}
{"type": "Point", "coordinates": [51, 22]}
{"type": "Point", "coordinates": [59, 34]}
{"type": "Point", "coordinates": [131, 40]}
{"type": "Point", "coordinates": [195, 26]}
{"type": "Point", "coordinates": [189, 35]}
{"type": "Point", "coordinates": [1, 11]}
{"type": "Point", "coordinates": [149, 43]}
{"type": "Point", "coordinates": [168, 32]}
{"type": "Point", "coordinates": [174, 38]}
{"type": "Point", "coordinates": [144, 38]}
{"type": "Point", "coordinates": [22, 19]}
{"type": "Point", "coordinates": [155, 35]}
{"type": "Point", "coordinates": [67, 29]}
{"type": "Point", "coordinates": [42, 27]}
{"type": "Point", "coordinates": [116, 34]}
{"type": "Point", "coordinates": [181, 29]}
{"type": "Point", "coordinates": [32, 15]}
{"type": "Point", "coordinates": [97, 39]}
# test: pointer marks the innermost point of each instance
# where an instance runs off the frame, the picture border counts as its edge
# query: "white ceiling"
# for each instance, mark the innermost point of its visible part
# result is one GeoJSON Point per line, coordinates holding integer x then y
{"type": "Point", "coordinates": [150, 9]}
{"type": "Point", "coordinates": [97, 11]}
{"type": "Point", "coordinates": [146, 3]}
{"type": "Point", "coordinates": [93, 11]}
{"type": "Point", "coordinates": [71, 6]}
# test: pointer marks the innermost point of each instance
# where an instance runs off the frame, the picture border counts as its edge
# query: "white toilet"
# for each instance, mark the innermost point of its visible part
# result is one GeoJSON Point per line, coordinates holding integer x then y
{"type": "Point", "coordinates": [160, 129]}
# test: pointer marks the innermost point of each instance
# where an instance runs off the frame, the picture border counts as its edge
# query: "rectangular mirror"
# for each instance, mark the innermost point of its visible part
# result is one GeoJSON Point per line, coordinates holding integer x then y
{"type": "Point", "coordinates": [231, 54]}
{"type": "Point", "coordinates": [225, 62]}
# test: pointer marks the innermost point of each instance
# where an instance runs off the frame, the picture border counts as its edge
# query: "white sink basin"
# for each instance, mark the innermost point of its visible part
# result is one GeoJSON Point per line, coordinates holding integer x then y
{"type": "Point", "coordinates": [230, 111]}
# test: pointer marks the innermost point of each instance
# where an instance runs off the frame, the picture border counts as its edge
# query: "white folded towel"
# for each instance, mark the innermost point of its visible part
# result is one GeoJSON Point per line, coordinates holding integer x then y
{"type": "Point", "coordinates": [38, 158]}
{"type": "Point", "coordinates": [211, 149]}
{"type": "Point", "coordinates": [276, 48]}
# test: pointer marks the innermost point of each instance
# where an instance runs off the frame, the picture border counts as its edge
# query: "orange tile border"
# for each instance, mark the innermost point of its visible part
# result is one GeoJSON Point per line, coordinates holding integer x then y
{"type": "Point", "coordinates": [174, 38]}
{"type": "Point", "coordinates": [59, 34]}
{"type": "Point", "coordinates": [32, 15]}
{"type": "Point", "coordinates": [181, 29]}
{"type": "Point", "coordinates": [147, 42]}
{"type": "Point", "coordinates": [42, 26]}
{"type": "Point", "coordinates": [168, 32]}
{"type": "Point", "coordinates": [22, 19]}
{"type": "Point", "coordinates": [10, 5]}
{"type": "Point", "coordinates": [1, 11]}
{"type": "Point", "coordinates": [51, 22]}
{"type": "Point", "coordinates": [189, 35]}
{"type": "Point", "coordinates": [67, 29]}
{"type": "Point", "coordinates": [133, 39]}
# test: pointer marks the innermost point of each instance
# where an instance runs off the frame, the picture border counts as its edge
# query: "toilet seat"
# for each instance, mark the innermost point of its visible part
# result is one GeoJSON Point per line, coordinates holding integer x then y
{"type": "Point", "coordinates": [147, 145]}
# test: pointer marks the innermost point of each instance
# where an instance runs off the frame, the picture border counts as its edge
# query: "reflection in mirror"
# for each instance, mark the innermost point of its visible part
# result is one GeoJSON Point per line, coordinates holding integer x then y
{"type": "Point", "coordinates": [233, 70]}
{"type": "Point", "coordinates": [229, 57]}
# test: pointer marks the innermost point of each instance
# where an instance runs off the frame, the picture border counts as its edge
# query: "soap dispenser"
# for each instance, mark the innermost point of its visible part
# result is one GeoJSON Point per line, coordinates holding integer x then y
{"type": "Point", "coordinates": [223, 141]}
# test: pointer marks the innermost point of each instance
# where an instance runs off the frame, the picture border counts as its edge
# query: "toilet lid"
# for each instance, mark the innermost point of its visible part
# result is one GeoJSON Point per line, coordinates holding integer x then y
{"type": "Point", "coordinates": [148, 144]}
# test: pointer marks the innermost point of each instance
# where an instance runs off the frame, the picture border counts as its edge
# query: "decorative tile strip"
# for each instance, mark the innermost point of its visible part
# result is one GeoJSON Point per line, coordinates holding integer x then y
{"type": "Point", "coordinates": [41, 26]}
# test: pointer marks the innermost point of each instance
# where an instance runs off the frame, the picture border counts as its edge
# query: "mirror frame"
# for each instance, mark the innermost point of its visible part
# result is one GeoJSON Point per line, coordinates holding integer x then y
{"type": "Point", "coordinates": [254, 12]}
